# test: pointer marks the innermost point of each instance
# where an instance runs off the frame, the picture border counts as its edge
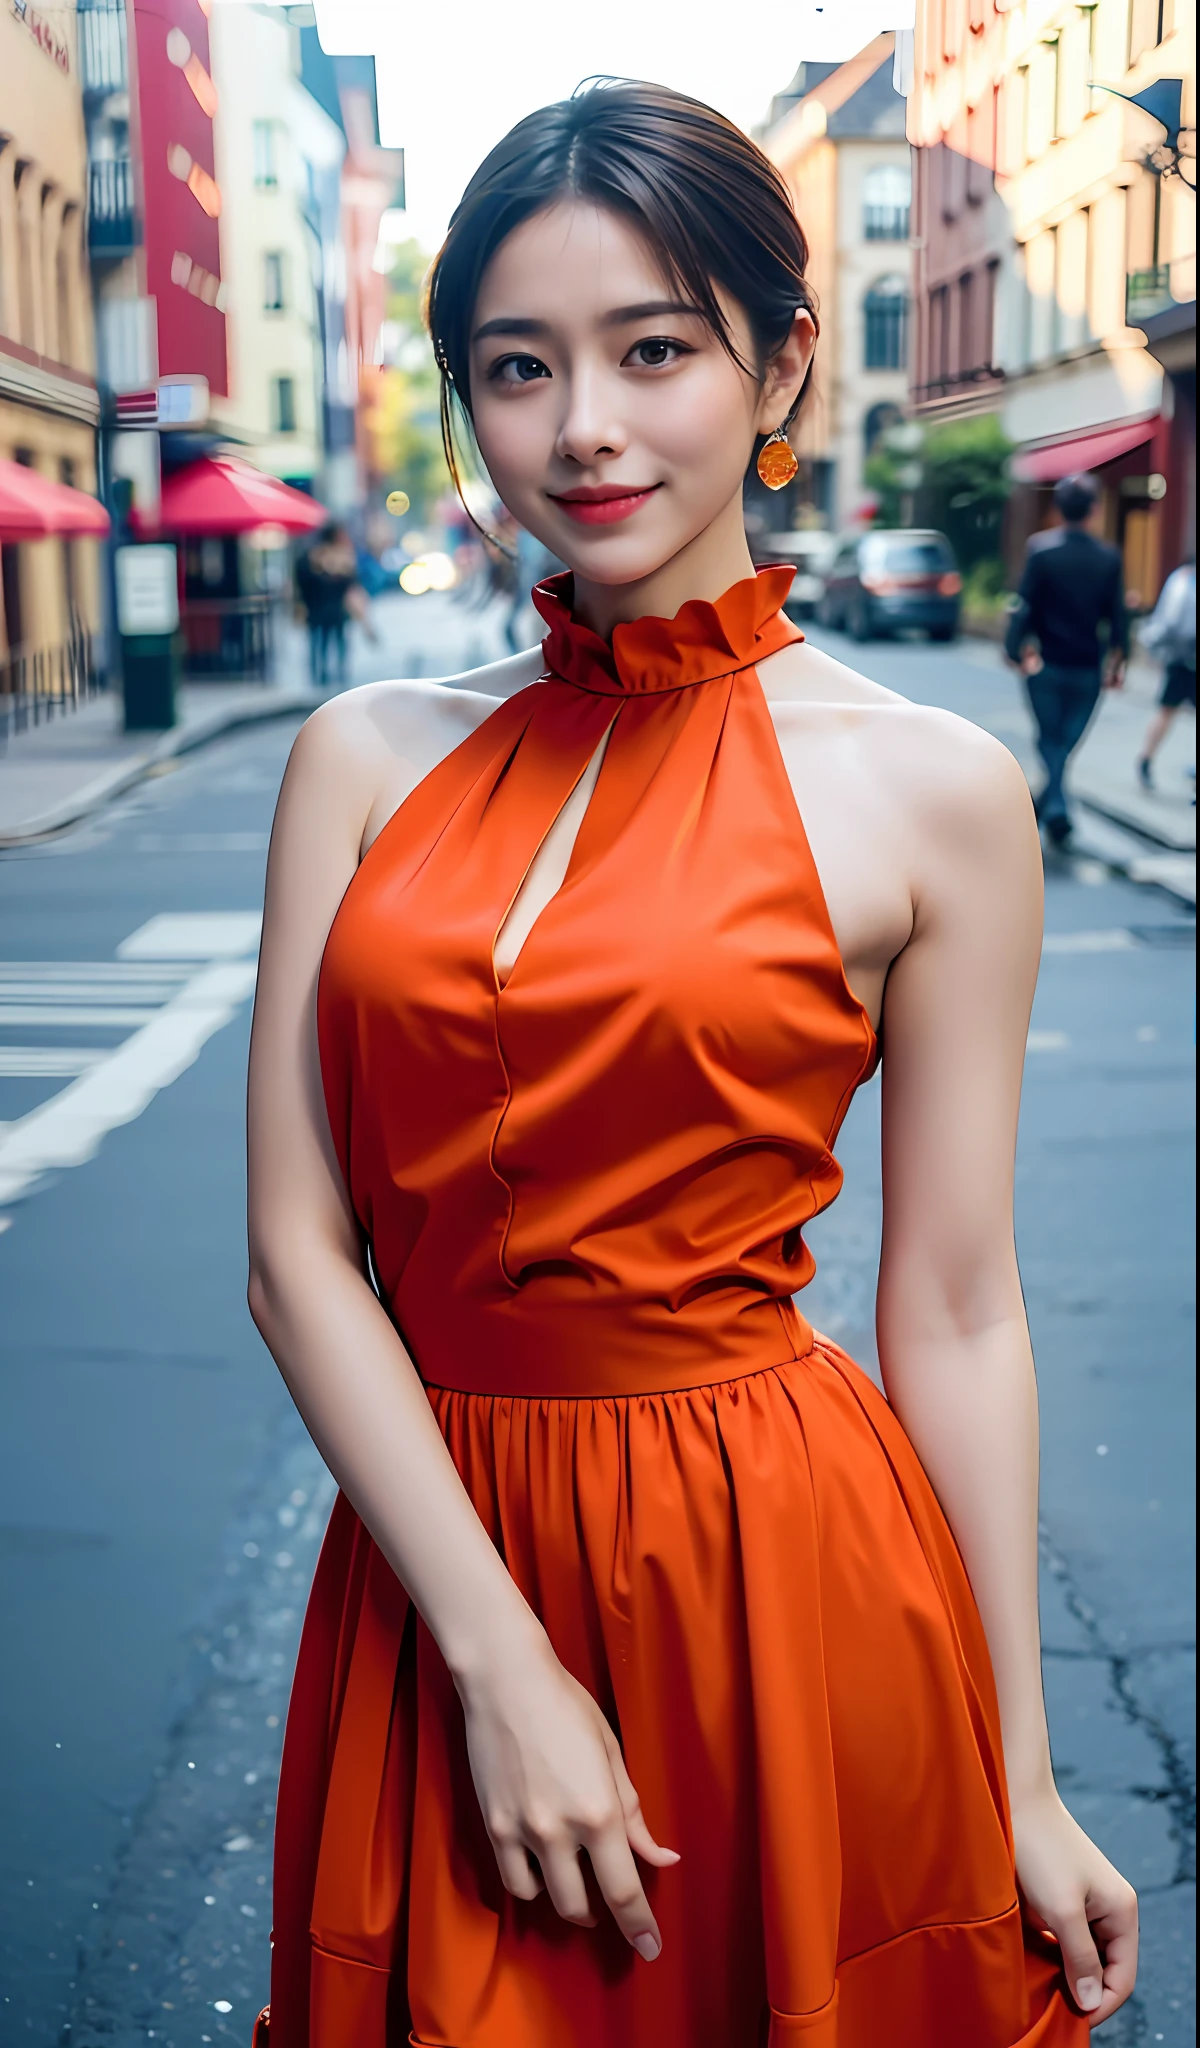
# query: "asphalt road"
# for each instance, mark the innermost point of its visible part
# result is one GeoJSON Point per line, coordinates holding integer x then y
{"type": "Point", "coordinates": [160, 1506]}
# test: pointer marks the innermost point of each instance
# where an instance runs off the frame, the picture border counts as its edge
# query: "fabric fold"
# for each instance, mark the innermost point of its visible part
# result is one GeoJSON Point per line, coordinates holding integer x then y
{"type": "Point", "coordinates": [585, 1196]}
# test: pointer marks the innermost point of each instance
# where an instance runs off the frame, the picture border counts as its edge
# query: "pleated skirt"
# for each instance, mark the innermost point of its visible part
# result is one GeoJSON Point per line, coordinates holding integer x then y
{"type": "Point", "coordinates": [756, 1583]}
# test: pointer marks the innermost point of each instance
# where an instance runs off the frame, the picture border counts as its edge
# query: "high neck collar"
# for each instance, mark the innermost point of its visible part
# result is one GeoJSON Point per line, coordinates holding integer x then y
{"type": "Point", "coordinates": [701, 643]}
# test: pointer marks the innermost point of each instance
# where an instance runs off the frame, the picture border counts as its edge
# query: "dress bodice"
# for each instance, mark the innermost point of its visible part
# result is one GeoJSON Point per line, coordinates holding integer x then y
{"type": "Point", "coordinates": [639, 1122]}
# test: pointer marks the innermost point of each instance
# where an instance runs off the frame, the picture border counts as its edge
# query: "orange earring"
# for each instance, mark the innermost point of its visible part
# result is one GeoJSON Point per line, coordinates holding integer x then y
{"type": "Point", "coordinates": [777, 463]}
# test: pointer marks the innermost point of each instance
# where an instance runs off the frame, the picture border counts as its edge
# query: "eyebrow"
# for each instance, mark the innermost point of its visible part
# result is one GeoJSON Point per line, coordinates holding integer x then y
{"type": "Point", "coordinates": [621, 316]}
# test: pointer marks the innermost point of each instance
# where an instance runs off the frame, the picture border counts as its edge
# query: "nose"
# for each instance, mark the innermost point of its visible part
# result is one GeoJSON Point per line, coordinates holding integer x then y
{"type": "Point", "coordinates": [591, 429]}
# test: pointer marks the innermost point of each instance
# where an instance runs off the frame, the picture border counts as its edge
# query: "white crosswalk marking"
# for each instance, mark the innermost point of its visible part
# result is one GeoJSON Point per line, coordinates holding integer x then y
{"type": "Point", "coordinates": [195, 935]}
{"type": "Point", "coordinates": [1116, 941]}
{"type": "Point", "coordinates": [176, 981]}
{"type": "Point", "coordinates": [47, 1062]}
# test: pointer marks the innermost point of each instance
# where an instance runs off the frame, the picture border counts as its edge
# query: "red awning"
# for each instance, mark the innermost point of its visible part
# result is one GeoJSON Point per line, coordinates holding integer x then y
{"type": "Point", "coordinates": [33, 506]}
{"type": "Point", "coordinates": [1070, 454]}
{"type": "Point", "coordinates": [222, 494]}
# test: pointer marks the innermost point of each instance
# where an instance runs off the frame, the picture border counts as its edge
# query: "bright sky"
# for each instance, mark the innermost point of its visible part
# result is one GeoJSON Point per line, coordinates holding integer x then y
{"type": "Point", "coordinates": [452, 79]}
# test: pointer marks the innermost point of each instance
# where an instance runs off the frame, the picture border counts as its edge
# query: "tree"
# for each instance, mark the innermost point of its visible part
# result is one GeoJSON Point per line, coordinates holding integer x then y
{"type": "Point", "coordinates": [966, 485]}
{"type": "Point", "coordinates": [402, 419]}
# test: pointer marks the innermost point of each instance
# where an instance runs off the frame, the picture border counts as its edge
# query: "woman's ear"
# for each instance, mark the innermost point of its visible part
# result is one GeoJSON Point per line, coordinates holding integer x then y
{"type": "Point", "coordinates": [785, 373]}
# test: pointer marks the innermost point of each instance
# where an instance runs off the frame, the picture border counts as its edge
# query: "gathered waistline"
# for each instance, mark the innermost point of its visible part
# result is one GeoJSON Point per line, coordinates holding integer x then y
{"type": "Point", "coordinates": [610, 1377]}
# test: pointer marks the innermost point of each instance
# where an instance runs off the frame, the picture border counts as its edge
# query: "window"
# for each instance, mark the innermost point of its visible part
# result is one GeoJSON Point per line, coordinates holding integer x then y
{"type": "Point", "coordinates": [885, 311]}
{"type": "Point", "coordinates": [887, 199]}
{"type": "Point", "coordinates": [981, 151]}
{"type": "Point", "coordinates": [924, 557]}
{"type": "Point", "coordinates": [939, 335]}
{"type": "Point", "coordinates": [1024, 114]}
{"type": "Point", "coordinates": [878, 422]}
{"type": "Point", "coordinates": [991, 300]}
{"type": "Point", "coordinates": [1090, 9]}
{"type": "Point", "coordinates": [1147, 26]}
{"type": "Point", "coordinates": [966, 324]}
{"type": "Point", "coordinates": [1055, 67]}
{"type": "Point", "coordinates": [1144, 223]}
{"type": "Point", "coordinates": [274, 294]}
{"type": "Point", "coordinates": [1056, 266]}
{"type": "Point", "coordinates": [266, 155]}
{"type": "Point", "coordinates": [283, 404]}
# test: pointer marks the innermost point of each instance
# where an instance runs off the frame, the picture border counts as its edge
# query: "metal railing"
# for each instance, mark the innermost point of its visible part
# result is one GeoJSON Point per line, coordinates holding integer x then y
{"type": "Point", "coordinates": [1148, 292]}
{"type": "Point", "coordinates": [885, 223]}
{"type": "Point", "coordinates": [103, 60]}
{"type": "Point", "coordinates": [229, 636]}
{"type": "Point", "coordinates": [111, 217]}
{"type": "Point", "coordinates": [40, 683]}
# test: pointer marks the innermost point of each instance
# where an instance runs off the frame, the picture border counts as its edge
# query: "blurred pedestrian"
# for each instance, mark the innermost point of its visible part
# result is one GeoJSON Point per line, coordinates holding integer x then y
{"type": "Point", "coordinates": [1069, 635]}
{"type": "Point", "coordinates": [329, 589]}
{"type": "Point", "coordinates": [1170, 634]}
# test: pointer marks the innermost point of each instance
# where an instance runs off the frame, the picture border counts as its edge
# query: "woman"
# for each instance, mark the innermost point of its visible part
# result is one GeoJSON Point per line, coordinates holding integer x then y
{"type": "Point", "coordinates": [625, 1556]}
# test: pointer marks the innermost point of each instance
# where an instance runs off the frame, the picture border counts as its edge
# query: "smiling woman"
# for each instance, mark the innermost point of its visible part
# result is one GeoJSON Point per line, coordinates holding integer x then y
{"type": "Point", "coordinates": [718, 263]}
{"type": "Point", "coordinates": [569, 974]}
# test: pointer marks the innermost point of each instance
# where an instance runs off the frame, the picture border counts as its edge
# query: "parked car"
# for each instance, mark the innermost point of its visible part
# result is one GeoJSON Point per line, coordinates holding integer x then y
{"type": "Point", "coordinates": [882, 581]}
{"type": "Point", "coordinates": [812, 551]}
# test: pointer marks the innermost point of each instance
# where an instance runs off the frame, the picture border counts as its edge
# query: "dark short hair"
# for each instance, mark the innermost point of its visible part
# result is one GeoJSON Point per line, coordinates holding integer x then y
{"type": "Point", "coordinates": [1076, 497]}
{"type": "Point", "coordinates": [712, 207]}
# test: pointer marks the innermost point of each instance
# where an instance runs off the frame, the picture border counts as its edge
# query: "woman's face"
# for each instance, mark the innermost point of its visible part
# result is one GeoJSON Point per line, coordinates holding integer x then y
{"type": "Point", "coordinates": [613, 423]}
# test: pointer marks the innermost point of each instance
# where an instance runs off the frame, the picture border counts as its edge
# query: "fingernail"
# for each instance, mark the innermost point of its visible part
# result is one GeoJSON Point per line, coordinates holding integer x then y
{"type": "Point", "coordinates": [648, 1947]}
{"type": "Point", "coordinates": [1088, 1994]}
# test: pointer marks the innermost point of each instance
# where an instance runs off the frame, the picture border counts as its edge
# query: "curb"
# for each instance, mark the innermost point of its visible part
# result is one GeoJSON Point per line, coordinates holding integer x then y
{"type": "Point", "coordinates": [114, 781]}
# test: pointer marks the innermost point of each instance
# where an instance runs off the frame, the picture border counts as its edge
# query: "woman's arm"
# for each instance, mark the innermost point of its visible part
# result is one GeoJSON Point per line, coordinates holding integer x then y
{"type": "Point", "coordinates": [953, 1339]}
{"type": "Point", "coordinates": [547, 1768]}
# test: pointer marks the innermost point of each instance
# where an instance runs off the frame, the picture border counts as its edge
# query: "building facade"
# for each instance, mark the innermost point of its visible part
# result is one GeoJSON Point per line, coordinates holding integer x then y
{"type": "Point", "coordinates": [1048, 243]}
{"type": "Point", "coordinates": [838, 138]}
{"type": "Point", "coordinates": [278, 154]}
{"type": "Point", "coordinates": [49, 403]}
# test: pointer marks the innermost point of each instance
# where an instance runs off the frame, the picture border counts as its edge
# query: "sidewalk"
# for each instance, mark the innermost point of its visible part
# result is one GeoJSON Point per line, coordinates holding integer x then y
{"type": "Point", "coordinates": [59, 772]}
{"type": "Point", "coordinates": [1149, 834]}
{"type": "Point", "coordinates": [56, 773]}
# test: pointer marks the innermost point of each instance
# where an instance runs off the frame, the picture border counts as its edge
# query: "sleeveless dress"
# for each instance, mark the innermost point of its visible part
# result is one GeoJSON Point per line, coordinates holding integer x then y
{"type": "Point", "coordinates": [584, 1195]}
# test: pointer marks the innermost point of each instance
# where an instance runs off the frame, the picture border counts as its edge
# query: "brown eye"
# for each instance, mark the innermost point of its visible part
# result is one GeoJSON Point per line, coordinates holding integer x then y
{"type": "Point", "coordinates": [656, 352]}
{"type": "Point", "coordinates": [518, 370]}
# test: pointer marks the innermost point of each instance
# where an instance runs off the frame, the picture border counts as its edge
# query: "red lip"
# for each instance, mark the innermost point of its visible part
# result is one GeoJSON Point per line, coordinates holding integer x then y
{"type": "Point", "coordinates": [601, 504]}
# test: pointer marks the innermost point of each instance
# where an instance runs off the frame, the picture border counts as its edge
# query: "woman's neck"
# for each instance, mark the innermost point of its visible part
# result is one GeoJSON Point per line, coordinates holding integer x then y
{"type": "Point", "coordinates": [705, 568]}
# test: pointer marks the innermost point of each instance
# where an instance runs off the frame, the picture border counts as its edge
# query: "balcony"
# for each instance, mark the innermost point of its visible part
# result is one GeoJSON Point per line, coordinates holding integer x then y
{"type": "Point", "coordinates": [1148, 293]}
{"type": "Point", "coordinates": [112, 223]}
{"type": "Point", "coordinates": [103, 63]}
{"type": "Point", "coordinates": [885, 223]}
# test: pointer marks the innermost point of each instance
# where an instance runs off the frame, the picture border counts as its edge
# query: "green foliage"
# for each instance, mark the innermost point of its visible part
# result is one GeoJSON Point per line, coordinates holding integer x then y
{"type": "Point", "coordinates": [402, 421]}
{"type": "Point", "coordinates": [966, 485]}
{"type": "Point", "coordinates": [984, 595]}
{"type": "Point", "coordinates": [963, 490]}
{"type": "Point", "coordinates": [881, 475]}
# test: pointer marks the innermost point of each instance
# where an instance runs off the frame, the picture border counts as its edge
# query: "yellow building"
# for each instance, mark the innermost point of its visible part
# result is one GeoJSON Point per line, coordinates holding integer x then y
{"type": "Point", "coordinates": [1056, 265]}
{"type": "Point", "coordinates": [48, 399]}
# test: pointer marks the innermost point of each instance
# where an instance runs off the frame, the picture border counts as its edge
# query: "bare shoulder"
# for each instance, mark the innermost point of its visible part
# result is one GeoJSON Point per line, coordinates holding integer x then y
{"type": "Point", "coordinates": [369, 747]}
{"type": "Point", "coordinates": [941, 771]}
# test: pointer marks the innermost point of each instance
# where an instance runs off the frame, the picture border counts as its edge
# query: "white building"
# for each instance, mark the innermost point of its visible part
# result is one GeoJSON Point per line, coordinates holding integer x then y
{"type": "Point", "coordinates": [279, 155]}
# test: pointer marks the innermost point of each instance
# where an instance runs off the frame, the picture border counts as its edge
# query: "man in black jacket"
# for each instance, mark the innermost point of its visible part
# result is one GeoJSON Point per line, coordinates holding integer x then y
{"type": "Point", "coordinates": [1071, 604]}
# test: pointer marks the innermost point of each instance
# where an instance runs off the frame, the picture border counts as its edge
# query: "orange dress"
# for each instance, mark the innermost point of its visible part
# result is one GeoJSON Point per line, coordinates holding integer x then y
{"type": "Point", "coordinates": [585, 1195]}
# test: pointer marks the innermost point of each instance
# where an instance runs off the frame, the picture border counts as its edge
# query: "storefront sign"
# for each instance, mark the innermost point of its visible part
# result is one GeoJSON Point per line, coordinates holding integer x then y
{"type": "Point", "coordinates": [44, 33]}
{"type": "Point", "coordinates": [176, 103]}
{"type": "Point", "coordinates": [147, 589]}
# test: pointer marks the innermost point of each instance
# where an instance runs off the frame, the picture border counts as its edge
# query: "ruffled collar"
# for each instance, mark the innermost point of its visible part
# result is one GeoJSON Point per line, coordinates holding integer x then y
{"type": "Point", "coordinates": [700, 644]}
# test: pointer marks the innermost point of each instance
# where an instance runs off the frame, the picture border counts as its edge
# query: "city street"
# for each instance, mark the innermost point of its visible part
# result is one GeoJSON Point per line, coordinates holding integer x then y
{"type": "Point", "coordinates": [162, 1504]}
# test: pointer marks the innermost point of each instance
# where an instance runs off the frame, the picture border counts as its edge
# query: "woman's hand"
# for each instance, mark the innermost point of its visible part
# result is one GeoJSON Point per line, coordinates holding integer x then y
{"type": "Point", "coordinates": [551, 1781]}
{"type": "Point", "coordinates": [1073, 1891]}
